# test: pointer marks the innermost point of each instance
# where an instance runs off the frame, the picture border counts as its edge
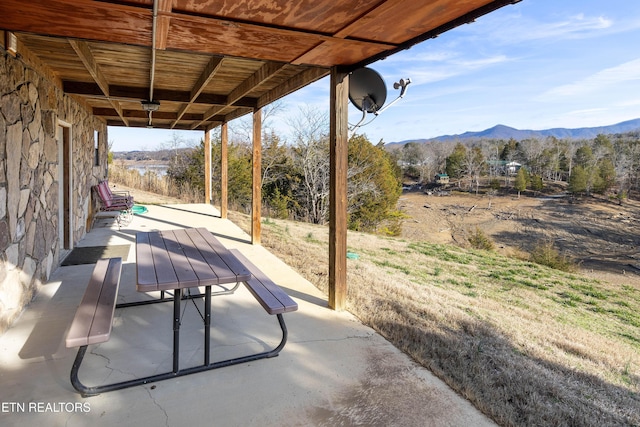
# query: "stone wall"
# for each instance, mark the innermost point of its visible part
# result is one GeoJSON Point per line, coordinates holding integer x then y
{"type": "Point", "coordinates": [31, 107]}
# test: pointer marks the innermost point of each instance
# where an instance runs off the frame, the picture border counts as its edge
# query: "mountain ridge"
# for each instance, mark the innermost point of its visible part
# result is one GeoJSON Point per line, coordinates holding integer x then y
{"type": "Point", "coordinates": [500, 131]}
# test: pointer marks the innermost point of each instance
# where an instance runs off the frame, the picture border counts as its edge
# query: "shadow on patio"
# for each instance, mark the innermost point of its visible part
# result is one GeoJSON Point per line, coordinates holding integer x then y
{"type": "Point", "coordinates": [333, 370]}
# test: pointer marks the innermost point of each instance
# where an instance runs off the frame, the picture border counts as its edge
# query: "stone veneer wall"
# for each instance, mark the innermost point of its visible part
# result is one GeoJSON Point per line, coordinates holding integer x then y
{"type": "Point", "coordinates": [31, 104]}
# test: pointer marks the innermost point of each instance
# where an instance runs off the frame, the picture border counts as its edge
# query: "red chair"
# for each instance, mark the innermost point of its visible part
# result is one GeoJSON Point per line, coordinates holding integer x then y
{"type": "Point", "coordinates": [106, 192]}
{"type": "Point", "coordinates": [122, 203]}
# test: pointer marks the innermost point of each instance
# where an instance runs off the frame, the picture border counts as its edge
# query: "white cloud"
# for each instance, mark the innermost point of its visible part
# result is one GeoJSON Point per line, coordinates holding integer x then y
{"type": "Point", "coordinates": [628, 103]}
{"type": "Point", "coordinates": [626, 72]}
{"type": "Point", "coordinates": [514, 28]}
{"type": "Point", "coordinates": [573, 27]}
{"type": "Point", "coordinates": [437, 67]}
{"type": "Point", "coordinates": [586, 112]}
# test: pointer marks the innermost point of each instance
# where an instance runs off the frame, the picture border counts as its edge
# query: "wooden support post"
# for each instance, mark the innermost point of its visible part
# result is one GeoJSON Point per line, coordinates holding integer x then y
{"type": "Point", "coordinates": [224, 167]}
{"type": "Point", "coordinates": [338, 139]}
{"type": "Point", "coordinates": [256, 200]}
{"type": "Point", "coordinates": [207, 167]}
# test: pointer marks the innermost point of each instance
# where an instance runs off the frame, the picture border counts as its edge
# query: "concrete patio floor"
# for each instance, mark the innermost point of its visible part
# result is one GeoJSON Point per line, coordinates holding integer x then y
{"type": "Point", "coordinates": [333, 370]}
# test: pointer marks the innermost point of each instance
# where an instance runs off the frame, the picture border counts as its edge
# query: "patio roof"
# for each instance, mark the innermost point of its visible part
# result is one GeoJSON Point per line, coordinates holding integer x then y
{"type": "Point", "coordinates": [207, 62]}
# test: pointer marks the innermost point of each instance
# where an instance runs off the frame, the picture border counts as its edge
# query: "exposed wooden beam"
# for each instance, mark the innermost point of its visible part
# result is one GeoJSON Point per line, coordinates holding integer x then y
{"type": "Point", "coordinates": [251, 39]}
{"type": "Point", "coordinates": [142, 123]}
{"type": "Point", "coordinates": [81, 19]}
{"type": "Point", "coordinates": [133, 24]}
{"type": "Point", "coordinates": [207, 75]}
{"type": "Point", "coordinates": [191, 30]}
{"type": "Point", "coordinates": [338, 153]}
{"type": "Point", "coordinates": [346, 31]}
{"type": "Point", "coordinates": [266, 72]}
{"type": "Point", "coordinates": [461, 20]}
{"type": "Point", "coordinates": [224, 167]}
{"type": "Point", "coordinates": [83, 50]}
{"type": "Point", "coordinates": [207, 167]}
{"type": "Point", "coordinates": [86, 56]}
{"type": "Point", "coordinates": [118, 108]}
{"type": "Point", "coordinates": [256, 163]}
{"type": "Point", "coordinates": [362, 21]}
{"type": "Point", "coordinates": [140, 114]}
{"type": "Point", "coordinates": [237, 113]}
{"type": "Point", "coordinates": [130, 93]}
{"type": "Point", "coordinates": [163, 21]}
{"type": "Point", "coordinates": [296, 82]}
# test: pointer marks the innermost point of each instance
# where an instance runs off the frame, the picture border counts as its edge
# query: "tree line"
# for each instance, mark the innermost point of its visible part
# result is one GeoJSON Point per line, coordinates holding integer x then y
{"type": "Point", "coordinates": [295, 173]}
{"type": "Point", "coordinates": [605, 164]}
{"type": "Point", "coordinates": [295, 176]}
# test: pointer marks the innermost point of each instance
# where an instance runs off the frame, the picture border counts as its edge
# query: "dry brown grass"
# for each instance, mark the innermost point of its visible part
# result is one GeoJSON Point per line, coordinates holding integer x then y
{"type": "Point", "coordinates": [526, 344]}
{"type": "Point", "coordinates": [153, 183]}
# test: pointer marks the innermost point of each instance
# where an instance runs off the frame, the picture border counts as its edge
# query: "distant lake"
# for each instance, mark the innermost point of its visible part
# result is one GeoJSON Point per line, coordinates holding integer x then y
{"type": "Point", "coordinates": [160, 170]}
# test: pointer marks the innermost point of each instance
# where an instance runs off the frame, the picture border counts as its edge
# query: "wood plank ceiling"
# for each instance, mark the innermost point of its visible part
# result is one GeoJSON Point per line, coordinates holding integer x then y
{"type": "Point", "coordinates": [209, 61]}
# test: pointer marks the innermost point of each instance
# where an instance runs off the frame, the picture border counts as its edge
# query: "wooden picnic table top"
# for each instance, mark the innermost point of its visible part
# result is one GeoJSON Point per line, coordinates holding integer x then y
{"type": "Point", "coordinates": [184, 258]}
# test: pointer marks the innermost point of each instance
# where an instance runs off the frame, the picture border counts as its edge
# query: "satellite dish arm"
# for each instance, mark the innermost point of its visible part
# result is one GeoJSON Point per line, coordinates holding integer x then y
{"type": "Point", "coordinates": [364, 116]}
{"type": "Point", "coordinates": [402, 85]}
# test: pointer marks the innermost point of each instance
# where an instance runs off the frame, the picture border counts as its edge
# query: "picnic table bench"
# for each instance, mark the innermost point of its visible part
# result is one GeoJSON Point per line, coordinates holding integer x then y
{"type": "Point", "coordinates": [94, 317]}
{"type": "Point", "coordinates": [270, 296]}
{"type": "Point", "coordinates": [188, 258]}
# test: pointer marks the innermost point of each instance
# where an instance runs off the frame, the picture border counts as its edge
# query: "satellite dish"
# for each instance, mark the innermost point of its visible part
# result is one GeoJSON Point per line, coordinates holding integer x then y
{"type": "Point", "coordinates": [367, 91]}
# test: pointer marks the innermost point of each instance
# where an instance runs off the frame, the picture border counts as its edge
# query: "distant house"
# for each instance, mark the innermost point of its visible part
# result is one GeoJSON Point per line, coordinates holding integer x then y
{"type": "Point", "coordinates": [442, 178]}
{"type": "Point", "coordinates": [513, 167]}
{"type": "Point", "coordinates": [503, 167]}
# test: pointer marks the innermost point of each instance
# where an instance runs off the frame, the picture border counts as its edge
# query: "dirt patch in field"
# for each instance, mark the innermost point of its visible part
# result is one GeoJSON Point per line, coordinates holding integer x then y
{"type": "Point", "coordinates": [600, 235]}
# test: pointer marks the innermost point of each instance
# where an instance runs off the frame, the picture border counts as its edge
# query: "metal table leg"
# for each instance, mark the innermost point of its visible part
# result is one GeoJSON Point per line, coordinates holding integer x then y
{"type": "Point", "coordinates": [207, 324]}
{"type": "Point", "coordinates": [176, 329]}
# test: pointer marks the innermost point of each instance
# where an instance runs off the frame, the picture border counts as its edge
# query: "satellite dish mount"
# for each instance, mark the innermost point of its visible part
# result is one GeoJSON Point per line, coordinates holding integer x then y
{"type": "Point", "coordinates": [368, 93]}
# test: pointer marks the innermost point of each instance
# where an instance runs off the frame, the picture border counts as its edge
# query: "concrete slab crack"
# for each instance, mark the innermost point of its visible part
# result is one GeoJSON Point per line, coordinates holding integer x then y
{"type": "Point", "coordinates": [155, 402]}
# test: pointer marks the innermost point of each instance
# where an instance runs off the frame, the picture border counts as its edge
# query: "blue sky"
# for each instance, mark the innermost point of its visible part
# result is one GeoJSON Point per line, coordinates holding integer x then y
{"type": "Point", "coordinates": [535, 65]}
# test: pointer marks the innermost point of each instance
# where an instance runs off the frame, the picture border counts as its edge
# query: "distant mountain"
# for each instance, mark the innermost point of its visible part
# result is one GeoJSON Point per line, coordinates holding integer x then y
{"type": "Point", "coordinates": [506, 132]}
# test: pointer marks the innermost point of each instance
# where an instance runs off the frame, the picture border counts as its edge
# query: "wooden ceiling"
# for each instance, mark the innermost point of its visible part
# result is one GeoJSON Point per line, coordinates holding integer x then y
{"type": "Point", "coordinates": [210, 61]}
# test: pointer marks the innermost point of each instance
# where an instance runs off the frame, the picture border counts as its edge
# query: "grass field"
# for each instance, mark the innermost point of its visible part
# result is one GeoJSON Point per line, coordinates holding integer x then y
{"type": "Point", "coordinates": [526, 344]}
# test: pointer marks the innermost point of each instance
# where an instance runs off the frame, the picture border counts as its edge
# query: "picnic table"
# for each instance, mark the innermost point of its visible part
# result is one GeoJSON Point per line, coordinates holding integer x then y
{"type": "Point", "coordinates": [174, 260]}
{"type": "Point", "coordinates": [177, 260]}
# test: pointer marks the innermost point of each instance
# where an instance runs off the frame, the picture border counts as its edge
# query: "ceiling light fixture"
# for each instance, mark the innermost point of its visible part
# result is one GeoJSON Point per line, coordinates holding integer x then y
{"type": "Point", "coordinates": [150, 105]}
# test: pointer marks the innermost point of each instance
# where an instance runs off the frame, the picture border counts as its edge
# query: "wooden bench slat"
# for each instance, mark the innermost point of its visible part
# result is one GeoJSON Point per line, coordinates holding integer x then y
{"type": "Point", "coordinates": [161, 259]}
{"type": "Point", "coordinates": [181, 265]}
{"type": "Point", "coordinates": [203, 271]}
{"type": "Point", "coordinates": [103, 319]}
{"type": "Point", "coordinates": [95, 306]}
{"type": "Point", "coordinates": [225, 265]}
{"type": "Point", "coordinates": [270, 303]}
{"type": "Point", "coordinates": [287, 302]}
{"type": "Point", "coordinates": [81, 324]}
{"type": "Point", "coordinates": [146, 274]}
{"type": "Point", "coordinates": [275, 290]}
{"type": "Point", "coordinates": [272, 298]}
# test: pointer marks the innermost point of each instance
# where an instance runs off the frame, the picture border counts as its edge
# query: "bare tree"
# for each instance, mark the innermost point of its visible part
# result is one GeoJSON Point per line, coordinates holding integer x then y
{"type": "Point", "coordinates": [627, 163]}
{"type": "Point", "coordinates": [311, 156]}
{"type": "Point", "coordinates": [473, 164]}
{"type": "Point", "coordinates": [532, 154]}
{"type": "Point", "coordinates": [243, 127]}
{"type": "Point", "coordinates": [274, 157]}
